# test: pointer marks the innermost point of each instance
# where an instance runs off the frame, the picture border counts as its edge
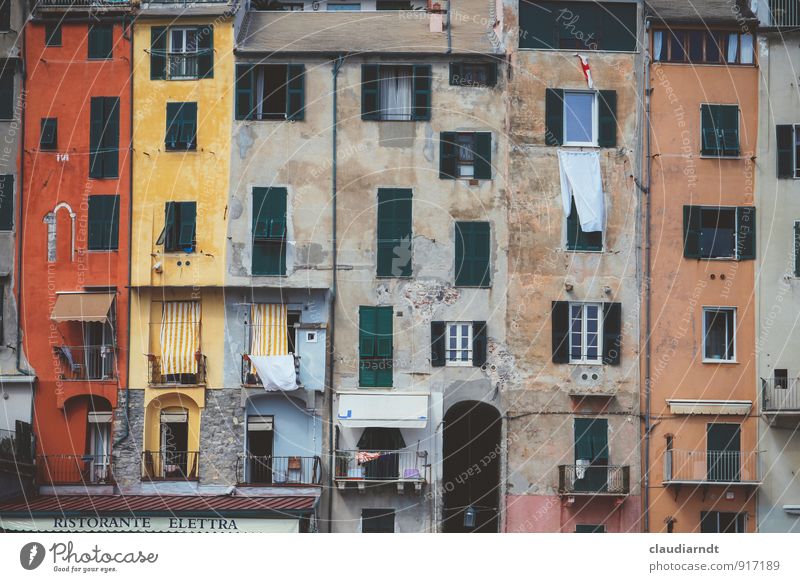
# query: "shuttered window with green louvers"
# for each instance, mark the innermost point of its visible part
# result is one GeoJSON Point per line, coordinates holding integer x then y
{"type": "Point", "coordinates": [103, 227]}
{"type": "Point", "coordinates": [472, 252]}
{"type": "Point", "coordinates": [181, 131]}
{"type": "Point", "coordinates": [104, 137]}
{"type": "Point", "coordinates": [375, 347]}
{"type": "Point", "coordinates": [394, 232]}
{"type": "Point", "coordinates": [101, 41]}
{"type": "Point", "coordinates": [269, 229]}
{"type": "Point", "coordinates": [180, 227]}
{"type": "Point", "coordinates": [6, 202]}
{"type": "Point", "coordinates": [720, 130]}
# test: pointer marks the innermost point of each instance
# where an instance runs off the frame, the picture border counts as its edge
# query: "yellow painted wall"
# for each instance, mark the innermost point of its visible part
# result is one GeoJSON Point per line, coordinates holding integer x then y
{"type": "Point", "coordinates": [160, 176]}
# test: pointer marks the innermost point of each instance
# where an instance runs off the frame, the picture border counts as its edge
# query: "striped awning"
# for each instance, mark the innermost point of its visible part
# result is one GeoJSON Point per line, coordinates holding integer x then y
{"type": "Point", "coordinates": [268, 335]}
{"type": "Point", "coordinates": [180, 337]}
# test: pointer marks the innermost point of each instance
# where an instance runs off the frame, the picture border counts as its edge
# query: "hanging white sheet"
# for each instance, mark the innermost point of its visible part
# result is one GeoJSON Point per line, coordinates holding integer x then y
{"type": "Point", "coordinates": [581, 179]}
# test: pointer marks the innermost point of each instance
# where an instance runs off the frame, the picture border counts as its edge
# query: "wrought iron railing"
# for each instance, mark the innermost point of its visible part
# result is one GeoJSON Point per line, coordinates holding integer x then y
{"type": "Point", "coordinates": [594, 479]}
{"type": "Point", "coordinates": [81, 4]}
{"type": "Point", "coordinates": [371, 465]}
{"type": "Point", "coordinates": [711, 467]}
{"type": "Point", "coordinates": [17, 445]}
{"type": "Point", "coordinates": [250, 377]}
{"type": "Point", "coordinates": [784, 13]}
{"type": "Point", "coordinates": [87, 362]}
{"type": "Point", "coordinates": [171, 465]}
{"type": "Point", "coordinates": [270, 470]}
{"type": "Point", "coordinates": [780, 395]}
{"type": "Point", "coordinates": [74, 470]}
{"type": "Point", "coordinates": [156, 376]}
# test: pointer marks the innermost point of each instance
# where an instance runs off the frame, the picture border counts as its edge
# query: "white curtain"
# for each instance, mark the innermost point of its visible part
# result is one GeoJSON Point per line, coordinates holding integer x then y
{"type": "Point", "coordinates": [658, 39]}
{"type": "Point", "coordinates": [259, 78]}
{"type": "Point", "coordinates": [747, 49]}
{"type": "Point", "coordinates": [395, 91]}
{"type": "Point", "coordinates": [581, 179]}
{"type": "Point", "coordinates": [733, 46]}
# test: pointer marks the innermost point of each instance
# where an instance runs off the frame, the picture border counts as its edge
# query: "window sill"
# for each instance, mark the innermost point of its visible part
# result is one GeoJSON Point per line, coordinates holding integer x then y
{"type": "Point", "coordinates": [573, 51]}
{"type": "Point", "coordinates": [183, 150]}
{"type": "Point", "coordinates": [713, 157]}
{"type": "Point", "coordinates": [91, 251]}
{"type": "Point", "coordinates": [705, 361]}
{"type": "Point", "coordinates": [598, 364]}
{"type": "Point", "coordinates": [403, 277]}
{"type": "Point", "coordinates": [591, 251]}
{"type": "Point", "coordinates": [592, 146]}
{"type": "Point", "coordinates": [686, 63]}
{"type": "Point", "coordinates": [472, 286]}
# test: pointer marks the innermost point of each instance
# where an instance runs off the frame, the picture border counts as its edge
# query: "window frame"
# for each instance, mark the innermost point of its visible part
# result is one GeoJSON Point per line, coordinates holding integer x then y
{"type": "Point", "coordinates": [595, 119]}
{"type": "Point", "coordinates": [463, 162]}
{"type": "Point", "coordinates": [52, 34]}
{"type": "Point", "coordinates": [180, 146]}
{"type": "Point", "coordinates": [97, 27]}
{"type": "Point", "coordinates": [113, 242]}
{"type": "Point", "coordinates": [584, 333]}
{"type": "Point", "coordinates": [687, 48]}
{"type": "Point", "coordinates": [795, 148]}
{"type": "Point", "coordinates": [458, 325]}
{"type": "Point", "coordinates": [182, 54]}
{"type": "Point", "coordinates": [719, 209]}
{"type": "Point", "coordinates": [719, 308]}
{"type": "Point", "coordinates": [178, 225]}
{"type": "Point", "coordinates": [49, 146]}
{"type": "Point", "coordinates": [721, 150]}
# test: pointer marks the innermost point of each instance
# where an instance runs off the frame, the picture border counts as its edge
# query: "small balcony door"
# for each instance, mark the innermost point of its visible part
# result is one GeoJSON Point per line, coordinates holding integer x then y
{"type": "Point", "coordinates": [723, 452]}
{"type": "Point", "coordinates": [98, 342]}
{"type": "Point", "coordinates": [591, 454]}
{"type": "Point", "coordinates": [174, 444]}
{"type": "Point", "coordinates": [99, 445]}
{"type": "Point", "coordinates": [260, 440]}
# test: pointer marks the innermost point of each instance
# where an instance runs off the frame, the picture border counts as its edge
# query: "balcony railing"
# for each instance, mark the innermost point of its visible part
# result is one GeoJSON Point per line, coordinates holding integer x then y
{"type": "Point", "coordinates": [250, 378]}
{"type": "Point", "coordinates": [63, 5]}
{"type": "Point", "coordinates": [780, 395]}
{"type": "Point", "coordinates": [269, 470]}
{"type": "Point", "coordinates": [155, 377]}
{"type": "Point", "coordinates": [17, 445]}
{"type": "Point", "coordinates": [74, 470]}
{"type": "Point", "coordinates": [710, 467]}
{"type": "Point", "coordinates": [87, 362]}
{"type": "Point", "coordinates": [784, 13]}
{"type": "Point", "coordinates": [594, 479]}
{"type": "Point", "coordinates": [170, 465]}
{"type": "Point", "coordinates": [384, 466]}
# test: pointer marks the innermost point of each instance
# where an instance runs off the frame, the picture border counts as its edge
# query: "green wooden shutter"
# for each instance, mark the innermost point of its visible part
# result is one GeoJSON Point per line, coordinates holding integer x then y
{"type": "Point", "coordinates": [52, 34]}
{"type": "Point", "coordinates": [483, 156]}
{"type": "Point", "coordinates": [245, 91]}
{"type": "Point", "coordinates": [100, 41]}
{"type": "Point", "coordinates": [797, 249]}
{"type": "Point", "coordinates": [479, 343]}
{"type": "Point", "coordinates": [187, 226]}
{"type": "Point", "coordinates": [691, 232]}
{"type": "Point", "coordinates": [367, 329]}
{"type": "Point", "coordinates": [746, 229]}
{"type": "Point", "coordinates": [538, 28]}
{"type": "Point", "coordinates": [438, 343]}
{"type": "Point", "coordinates": [205, 50]}
{"type": "Point", "coordinates": [591, 439]}
{"type": "Point", "coordinates": [48, 137]}
{"type": "Point", "coordinates": [170, 227]}
{"type": "Point", "coordinates": [583, 439]}
{"type": "Point", "coordinates": [729, 129]}
{"type": "Point", "coordinates": [173, 132]}
{"type": "Point", "coordinates": [6, 202]}
{"type": "Point", "coordinates": [269, 231]}
{"type": "Point", "coordinates": [5, 19]}
{"type": "Point", "coordinates": [188, 125]}
{"type": "Point", "coordinates": [607, 119]}
{"type": "Point", "coordinates": [394, 232]}
{"type": "Point", "coordinates": [158, 52]}
{"type": "Point", "coordinates": [384, 346]}
{"type": "Point", "coordinates": [619, 27]}
{"type": "Point", "coordinates": [110, 139]}
{"type": "Point", "coordinates": [422, 92]}
{"type": "Point", "coordinates": [559, 323]}
{"type": "Point", "coordinates": [612, 334]}
{"type": "Point", "coordinates": [472, 250]}
{"type": "Point", "coordinates": [785, 145]}
{"type": "Point", "coordinates": [447, 155]}
{"type": "Point", "coordinates": [295, 92]}
{"type": "Point", "coordinates": [96, 124]}
{"type": "Point", "coordinates": [103, 231]}
{"type": "Point", "coordinates": [7, 93]}
{"type": "Point", "coordinates": [709, 123]}
{"type": "Point", "coordinates": [455, 74]}
{"type": "Point", "coordinates": [370, 92]}
{"type": "Point", "coordinates": [554, 117]}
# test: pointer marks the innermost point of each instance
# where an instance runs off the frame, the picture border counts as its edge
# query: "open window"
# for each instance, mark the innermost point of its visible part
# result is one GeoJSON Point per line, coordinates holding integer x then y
{"type": "Point", "coordinates": [179, 227]}
{"type": "Point", "coordinates": [465, 155]}
{"type": "Point", "coordinates": [270, 92]}
{"type": "Point", "coordinates": [719, 232]}
{"type": "Point", "coordinates": [395, 92]}
{"type": "Point", "coordinates": [181, 52]}
{"type": "Point", "coordinates": [719, 130]}
{"type": "Point", "coordinates": [260, 441]}
{"type": "Point", "coordinates": [719, 334]}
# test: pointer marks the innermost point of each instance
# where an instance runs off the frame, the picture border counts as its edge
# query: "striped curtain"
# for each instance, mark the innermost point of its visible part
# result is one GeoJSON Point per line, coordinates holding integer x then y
{"type": "Point", "coordinates": [268, 330]}
{"type": "Point", "coordinates": [180, 337]}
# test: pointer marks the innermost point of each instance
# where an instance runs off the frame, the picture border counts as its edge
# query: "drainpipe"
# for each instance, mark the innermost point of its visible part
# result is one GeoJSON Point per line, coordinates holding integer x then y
{"type": "Point", "coordinates": [337, 65]}
{"type": "Point", "coordinates": [646, 288]}
{"type": "Point", "coordinates": [449, 30]}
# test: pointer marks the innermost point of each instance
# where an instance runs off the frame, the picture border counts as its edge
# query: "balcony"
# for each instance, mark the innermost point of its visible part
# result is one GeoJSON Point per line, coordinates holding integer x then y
{"type": "Point", "coordinates": [62, 6]}
{"type": "Point", "coordinates": [251, 380]}
{"type": "Point", "coordinates": [711, 468]}
{"type": "Point", "coordinates": [155, 378]}
{"type": "Point", "coordinates": [278, 471]}
{"type": "Point", "coordinates": [74, 470]}
{"type": "Point", "coordinates": [784, 13]}
{"type": "Point", "coordinates": [613, 480]}
{"type": "Point", "coordinates": [780, 401]}
{"type": "Point", "coordinates": [81, 363]}
{"type": "Point", "coordinates": [362, 467]}
{"type": "Point", "coordinates": [170, 465]}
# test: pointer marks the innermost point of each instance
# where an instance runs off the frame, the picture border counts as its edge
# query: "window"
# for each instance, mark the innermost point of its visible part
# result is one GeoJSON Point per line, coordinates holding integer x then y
{"type": "Point", "coordinates": [269, 231]}
{"type": "Point", "coordinates": [394, 232]}
{"type": "Point", "coordinates": [104, 137]}
{"type": "Point", "coordinates": [7, 104]}
{"type": "Point", "coordinates": [181, 127]}
{"type": "Point", "coordinates": [473, 242]}
{"type": "Point", "coordinates": [101, 41]}
{"type": "Point", "coordinates": [591, 454]}
{"type": "Point", "coordinates": [375, 347]}
{"type": "Point", "coordinates": [719, 334]}
{"type": "Point", "coordinates": [338, 7]}
{"type": "Point", "coordinates": [465, 156]}
{"type": "Point", "coordinates": [781, 376]}
{"type": "Point", "coordinates": [48, 139]}
{"type": "Point", "coordinates": [377, 520]}
{"type": "Point", "coordinates": [721, 522]}
{"type": "Point", "coordinates": [460, 343]}
{"type": "Point", "coordinates": [720, 130]}
{"type": "Point", "coordinates": [719, 232]}
{"type": "Point", "coordinates": [581, 118]}
{"type": "Point", "coordinates": [723, 452]}
{"type": "Point", "coordinates": [179, 227]}
{"type": "Point", "coordinates": [603, 26]}
{"type": "Point", "coordinates": [266, 92]}
{"type": "Point", "coordinates": [103, 223]}
{"type": "Point", "coordinates": [5, 15]}
{"type": "Point", "coordinates": [473, 74]}
{"type": "Point", "coordinates": [589, 528]}
{"type": "Point", "coordinates": [396, 92]}
{"type": "Point", "coordinates": [182, 52]}
{"type": "Point", "coordinates": [577, 239]}
{"type": "Point", "coordinates": [703, 46]}
{"type": "Point", "coordinates": [394, 5]}
{"type": "Point", "coordinates": [586, 333]}
{"type": "Point", "coordinates": [52, 34]}
{"type": "Point", "coordinates": [6, 202]}
{"type": "Point", "coordinates": [788, 151]}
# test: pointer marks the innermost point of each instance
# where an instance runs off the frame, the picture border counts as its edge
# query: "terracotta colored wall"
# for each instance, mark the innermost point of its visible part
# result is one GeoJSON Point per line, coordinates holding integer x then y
{"type": "Point", "coordinates": [60, 83]}
{"type": "Point", "coordinates": [548, 514]}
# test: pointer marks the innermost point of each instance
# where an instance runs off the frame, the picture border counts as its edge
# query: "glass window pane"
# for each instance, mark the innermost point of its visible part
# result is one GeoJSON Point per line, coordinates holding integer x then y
{"type": "Point", "coordinates": [718, 233]}
{"type": "Point", "coordinates": [696, 46]}
{"type": "Point", "coordinates": [677, 42]}
{"type": "Point", "coordinates": [733, 47]}
{"type": "Point", "coordinates": [712, 48]}
{"type": "Point", "coordinates": [579, 117]}
{"type": "Point", "coordinates": [746, 57]}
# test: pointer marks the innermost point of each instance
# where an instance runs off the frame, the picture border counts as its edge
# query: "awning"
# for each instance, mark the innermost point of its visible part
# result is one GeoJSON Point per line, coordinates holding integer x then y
{"type": "Point", "coordinates": [82, 307]}
{"type": "Point", "coordinates": [145, 523]}
{"type": "Point", "coordinates": [710, 407]}
{"type": "Point", "coordinates": [99, 417]}
{"type": "Point", "coordinates": [383, 409]}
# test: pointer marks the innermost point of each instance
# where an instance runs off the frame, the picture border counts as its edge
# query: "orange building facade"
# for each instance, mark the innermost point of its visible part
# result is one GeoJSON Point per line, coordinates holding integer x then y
{"type": "Point", "coordinates": [699, 390]}
{"type": "Point", "coordinates": [76, 173]}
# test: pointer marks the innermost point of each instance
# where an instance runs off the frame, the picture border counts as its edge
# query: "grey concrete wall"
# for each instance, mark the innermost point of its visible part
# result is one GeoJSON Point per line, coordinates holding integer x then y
{"type": "Point", "coordinates": [221, 436]}
{"type": "Point", "coordinates": [127, 449]}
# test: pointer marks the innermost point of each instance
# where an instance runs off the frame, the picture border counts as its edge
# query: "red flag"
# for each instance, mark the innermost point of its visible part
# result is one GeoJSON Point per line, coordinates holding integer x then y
{"type": "Point", "coordinates": [587, 70]}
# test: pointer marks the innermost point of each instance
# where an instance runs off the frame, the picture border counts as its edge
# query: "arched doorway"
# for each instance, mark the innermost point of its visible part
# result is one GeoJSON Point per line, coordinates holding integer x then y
{"type": "Point", "coordinates": [471, 468]}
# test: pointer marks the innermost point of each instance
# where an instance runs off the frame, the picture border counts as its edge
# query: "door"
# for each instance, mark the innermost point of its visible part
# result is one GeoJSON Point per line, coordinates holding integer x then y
{"type": "Point", "coordinates": [100, 444]}
{"type": "Point", "coordinates": [260, 440]}
{"type": "Point", "coordinates": [175, 461]}
{"type": "Point", "coordinates": [591, 454]}
{"type": "Point", "coordinates": [723, 452]}
{"type": "Point", "coordinates": [98, 342]}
